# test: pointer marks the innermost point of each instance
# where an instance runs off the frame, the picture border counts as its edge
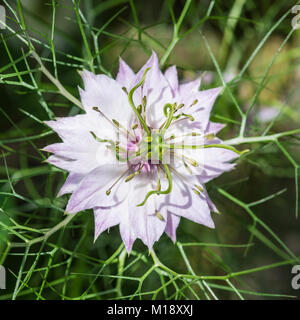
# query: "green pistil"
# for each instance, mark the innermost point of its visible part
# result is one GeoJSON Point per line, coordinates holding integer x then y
{"type": "Point", "coordinates": [130, 99]}
{"type": "Point", "coordinates": [221, 146]}
{"type": "Point", "coordinates": [169, 112]}
{"type": "Point", "coordinates": [167, 191]}
{"type": "Point", "coordinates": [99, 139]}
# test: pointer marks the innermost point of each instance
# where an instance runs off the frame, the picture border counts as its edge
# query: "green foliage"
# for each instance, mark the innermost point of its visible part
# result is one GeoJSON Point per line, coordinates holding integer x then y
{"type": "Point", "coordinates": [256, 240]}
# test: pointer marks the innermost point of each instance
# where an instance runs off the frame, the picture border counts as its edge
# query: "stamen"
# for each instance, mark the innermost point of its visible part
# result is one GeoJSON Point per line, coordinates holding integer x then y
{"type": "Point", "coordinates": [191, 161]}
{"type": "Point", "coordinates": [159, 216]}
{"type": "Point", "coordinates": [172, 137]}
{"type": "Point", "coordinates": [196, 191]}
{"type": "Point", "coordinates": [191, 134]}
{"type": "Point", "coordinates": [144, 101]}
{"type": "Point", "coordinates": [210, 136]}
{"type": "Point", "coordinates": [180, 106]}
{"type": "Point", "coordinates": [189, 170]}
{"type": "Point", "coordinates": [111, 122]}
{"type": "Point", "coordinates": [102, 114]}
{"type": "Point", "coordinates": [99, 139]}
{"type": "Point", "coordinates": [118, 125]}
{"type": "Point", "coordinates": [199, 187]}
{"type": "Point", "coordinates": [185, 115]}
{"type": "Point", "coordinates": [108, 191]}
{"type": "Point", "coordinates": [194, 102]}
{"type": "Point", "coordinates": [131, 176]}
{"type": "Point", "coordinates": [140, 109]}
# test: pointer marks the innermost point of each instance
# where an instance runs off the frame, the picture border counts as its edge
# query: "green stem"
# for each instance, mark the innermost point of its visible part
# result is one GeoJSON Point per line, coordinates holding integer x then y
{"type": "Point", "coordinates": [270, 138]}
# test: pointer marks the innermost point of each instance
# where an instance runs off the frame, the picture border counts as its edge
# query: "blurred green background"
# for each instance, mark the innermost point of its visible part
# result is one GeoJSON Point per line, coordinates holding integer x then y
{"type": "Point", "coordinates": [65, 266]}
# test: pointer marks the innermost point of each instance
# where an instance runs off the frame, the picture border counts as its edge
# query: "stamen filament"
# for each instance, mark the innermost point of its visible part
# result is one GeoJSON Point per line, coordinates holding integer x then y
{"type": "Point", "coordinates": [108, 191]}
{"type": "Point", "coordinates": [110, 121]}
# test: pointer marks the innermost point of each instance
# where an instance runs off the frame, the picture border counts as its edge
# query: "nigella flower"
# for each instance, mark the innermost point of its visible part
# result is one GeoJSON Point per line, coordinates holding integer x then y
{"type": "Point", "coordinates": [142, 152]}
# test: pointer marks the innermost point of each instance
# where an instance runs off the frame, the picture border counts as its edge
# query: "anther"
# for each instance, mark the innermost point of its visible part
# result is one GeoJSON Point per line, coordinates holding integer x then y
{"type": "Point", "coordinates": [131, 176]}
{"type": "Point", "coordinates": [140, 108]}
{"type": "Point", "coordinates": [144, 101]}
{"type": "Point", "coordinates": [198, 187]}
{"type": "Point", "coordinates": [187, 168]}
{"type": "Point", "coordinates": [125, 90]}
{"type": "Point", "coordinates": [96, 138]}
{"type": "Point", "coordinates": [210, 136]}
{"type": "Point", "coordinates": [159, 216]}
{"type": "Point", "coordinates": [118, 125]}
{"type": "Point", "coordinates": [108, 191]}
{"type": "Point", "coordinates": [196, 191]}
{"type": "Point", "coordinates": [194, 102]}
{"type": "Point", "coordinates": [192, 162]}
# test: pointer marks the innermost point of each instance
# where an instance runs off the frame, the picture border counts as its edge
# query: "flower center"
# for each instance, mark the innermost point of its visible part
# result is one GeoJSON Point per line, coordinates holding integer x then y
{"type": "Point", "coordinates": [154, 146]}
{"type": "Point", "coordinates": [150, 147]}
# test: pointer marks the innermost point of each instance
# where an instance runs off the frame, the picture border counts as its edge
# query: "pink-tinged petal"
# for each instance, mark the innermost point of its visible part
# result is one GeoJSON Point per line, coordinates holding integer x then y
{"type": "Point", "coordinates": [69, 127]}
{"type": "Point", "coordinates": [185, 203]}
{"type": "Point", "coordinates": [146, 225]}
{"type": "Point", "coordinates": [172, 78]}
{"type": "Point", "coordinates": [212, 162]}
{"type": "Point", "coordinates": [91, 192]}
{"type": "Point", "coordinates": [85, 162]}
{"type": "Point", "coordinates": [105, 218]}
{"type": "Point", "coordinates": [172, 225]}
{"type": "Point", "coordinates": [60, 162]}
{"type": "Point", "coordinates": [157, 91]}
{"type": "Point", "coordinates": [214, 127]}
{"type": "Point", "coordinates": [70, 184]}
{"type": "Point", "coordinates": [188, 88]}
{"type": "Point", "coordinates": [79, 143]}
{"type": "Point", "coordinates": [79, 127]}
{"type": "Point", "coordinates": [143, 221]}
{"type": "Point", "coordinates": [211, 205]}
{"type": "Point", "coordinates": [106, 94]}
{"type": "Point", "coordinates": [125, 76]}
{"type": "Point", "coordinates": [71, 151]}
{"type": "Point", "coordinates": [127, 235]}
{"type": "Point", "coordinates": [202, 109]}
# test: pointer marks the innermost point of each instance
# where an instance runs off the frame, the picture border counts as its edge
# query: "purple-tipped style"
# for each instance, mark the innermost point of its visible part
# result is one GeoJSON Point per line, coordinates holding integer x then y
{"type": "Point", "coordinates": [142, 152]}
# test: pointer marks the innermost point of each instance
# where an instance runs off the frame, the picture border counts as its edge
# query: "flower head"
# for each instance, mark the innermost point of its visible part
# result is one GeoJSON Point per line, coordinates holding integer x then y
{"type": "Point", "coordinates": [141, 154]}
